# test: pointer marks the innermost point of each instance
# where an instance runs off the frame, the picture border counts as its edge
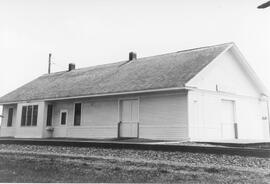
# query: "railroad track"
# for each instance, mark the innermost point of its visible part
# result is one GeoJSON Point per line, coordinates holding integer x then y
{"type": "Point", "coordinates": [214, 149]}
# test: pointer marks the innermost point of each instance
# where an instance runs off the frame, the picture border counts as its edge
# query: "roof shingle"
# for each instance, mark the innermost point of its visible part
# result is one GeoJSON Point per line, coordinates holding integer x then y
{"type": "Point", "coordinates": [156, 72]}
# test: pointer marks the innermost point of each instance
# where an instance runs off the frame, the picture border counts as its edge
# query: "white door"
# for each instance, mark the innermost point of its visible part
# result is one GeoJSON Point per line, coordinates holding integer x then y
{"type": "Point", "coordinates": [129, 117]}
{"type": "Point", "coordinates": [62, 128]}
{"type": "Point", "coordinates": [228, 120]}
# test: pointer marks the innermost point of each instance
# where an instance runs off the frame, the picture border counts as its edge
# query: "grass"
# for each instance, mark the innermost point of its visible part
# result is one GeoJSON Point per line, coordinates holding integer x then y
{"type": "Point", "coordinates": [48, 168]}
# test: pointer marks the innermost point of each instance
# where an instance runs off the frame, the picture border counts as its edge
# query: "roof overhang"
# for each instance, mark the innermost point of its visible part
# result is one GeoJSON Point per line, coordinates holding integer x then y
{"type": "Point", "coordinates": [102, 95]}
{"type": "Point", "coordinates": [242, 60]}
{"type": "Point", "coordinates": [247, 68]}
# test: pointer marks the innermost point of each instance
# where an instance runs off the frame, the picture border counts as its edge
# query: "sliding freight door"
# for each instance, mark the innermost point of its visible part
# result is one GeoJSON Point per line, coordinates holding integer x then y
{"type": "Point", "coordinates": [228, 125]}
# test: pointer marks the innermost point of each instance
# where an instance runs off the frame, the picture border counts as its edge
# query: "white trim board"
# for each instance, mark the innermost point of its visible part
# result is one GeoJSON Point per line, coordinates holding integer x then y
{"type": "Point", "coordinates": [98, 95]}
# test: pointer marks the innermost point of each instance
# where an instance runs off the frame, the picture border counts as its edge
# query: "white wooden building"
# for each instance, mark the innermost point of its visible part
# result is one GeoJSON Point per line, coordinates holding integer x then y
{"type": "Point", "coordinates": [207, 93]}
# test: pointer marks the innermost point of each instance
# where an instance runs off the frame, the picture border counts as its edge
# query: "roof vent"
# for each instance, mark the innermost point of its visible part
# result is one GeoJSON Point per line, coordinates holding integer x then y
{"type": "Point", "coordinates": [71, 66]}
{"type": "Point", "coordinates": [132, 56]}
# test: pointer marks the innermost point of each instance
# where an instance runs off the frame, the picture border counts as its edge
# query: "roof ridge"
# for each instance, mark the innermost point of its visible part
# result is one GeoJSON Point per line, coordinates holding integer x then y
{"type": "Point", "coordinates": [186, 50]}
{"type": "Point", "coordinates": [126, 61]}
{"type": "Point", "coordinates": [205, 47]}
{"type": "Point", "coordinates": [88, 67]}
{"type": "Point", "coordinates": [170, 70]}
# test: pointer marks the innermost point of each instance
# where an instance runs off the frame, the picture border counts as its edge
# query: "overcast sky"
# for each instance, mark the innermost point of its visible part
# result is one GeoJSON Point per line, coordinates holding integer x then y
{"type": "Point", "coordinates": [89, 32]}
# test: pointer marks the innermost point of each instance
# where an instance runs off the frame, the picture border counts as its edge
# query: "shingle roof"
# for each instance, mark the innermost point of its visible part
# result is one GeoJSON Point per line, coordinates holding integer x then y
{"type": "Point", "coordinates": [156, 72]}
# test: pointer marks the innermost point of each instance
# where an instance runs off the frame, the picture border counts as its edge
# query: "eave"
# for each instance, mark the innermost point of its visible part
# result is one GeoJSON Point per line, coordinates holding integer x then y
{"type": "Point", "coordinates": [99, 95]}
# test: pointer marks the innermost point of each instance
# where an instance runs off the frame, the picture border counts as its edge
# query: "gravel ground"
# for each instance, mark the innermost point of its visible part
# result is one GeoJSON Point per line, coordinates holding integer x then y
{"type": "Point", "coordinates": [27, 168]}
{"type": "Point", "coordinates": [198, 166]}
{"type": "Point", "coordinates": [182, 157]}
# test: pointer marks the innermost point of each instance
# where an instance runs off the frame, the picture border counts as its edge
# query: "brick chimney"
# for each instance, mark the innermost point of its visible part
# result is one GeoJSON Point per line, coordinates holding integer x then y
{"type": "Point", "coordinates": [132, 56]}
{"type": "Point", "coordinates": [71, 66]}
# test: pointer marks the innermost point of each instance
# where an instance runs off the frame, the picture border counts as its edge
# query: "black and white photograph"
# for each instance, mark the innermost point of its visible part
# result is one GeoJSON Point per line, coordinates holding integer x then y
{"type": "Point", "coordinates": [135, 91]}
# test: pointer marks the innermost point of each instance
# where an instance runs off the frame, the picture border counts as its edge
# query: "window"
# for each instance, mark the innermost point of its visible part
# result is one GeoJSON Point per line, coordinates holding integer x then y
{"type": "Point", "coordinates": [77, 114]}
{"type": "Point", "coordinates": [10, 116]}
{"type": "Point", "coordinates": [29, 115]}
{"type": "Point", "coordinates": [23, 120]}
{"type": "Point", "coordinates": [35, 114]}
{"type": "Point", "coordinates": [49, 115]}
{"type": "Point", "coordinates": [63, 118]}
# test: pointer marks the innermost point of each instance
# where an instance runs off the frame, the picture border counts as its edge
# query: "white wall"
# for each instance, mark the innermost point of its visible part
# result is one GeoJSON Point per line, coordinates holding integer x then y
{"type": "Point", "coordinates": [30, 131]}
{"type": "Point", "coordinates": [164, 117]}
{"type": "Point", "coordinates": [1, 112]}
{"type": "Point", "coordinates": [233, 83]}
{"type": "Point", "coordinates": [99, 119]}
{"type": "Point", "coordinates": [6, 131]}
{"type": "Point", "coordinates": [161, 116]}
{"type": "Point", "coordinates": [227, 74]}
{"type": "Point", "coordinates": [205, 112]}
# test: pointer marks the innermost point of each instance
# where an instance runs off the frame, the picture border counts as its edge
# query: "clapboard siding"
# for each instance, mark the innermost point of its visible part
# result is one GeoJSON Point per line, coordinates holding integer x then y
{"type": "Point", "coordinates": [60, 131]}
{"type": "Point", "coordinates": [30, 131]}
{"type": "Point", "coordinates": [93, 131]}
{"type": "Point", "coordinates": [86, 131]}
{"type": "Point", "coordinates": [226, 79]}
{"type": "Point", "coordinates": [161, 116]}
{"type": "Point", "coordinates": [99, 119]}
{"type": "Point", "coordinates": [167, 132]}
{"type": "Point", "coordinates": [102, 112]}
{"type": "Point", "coordinates": [167, 116]}
{"type": "Point", "coordinates": [6, 131]}
{"type": "Point", "coordinates": [57, 107]}
{"type": "Point", "coordinates": [205, 112]}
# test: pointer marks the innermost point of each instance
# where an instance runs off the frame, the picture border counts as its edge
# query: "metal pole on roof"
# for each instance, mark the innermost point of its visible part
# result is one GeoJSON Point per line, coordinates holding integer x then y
{"type": "Point", "coordinates": [49, 67]}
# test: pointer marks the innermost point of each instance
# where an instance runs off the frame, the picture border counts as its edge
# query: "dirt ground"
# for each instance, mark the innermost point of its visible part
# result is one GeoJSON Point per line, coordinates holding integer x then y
{"type": "Point", "coordinates": [70, 164]}
{"type": "Point", "coordinates": [34, 168]}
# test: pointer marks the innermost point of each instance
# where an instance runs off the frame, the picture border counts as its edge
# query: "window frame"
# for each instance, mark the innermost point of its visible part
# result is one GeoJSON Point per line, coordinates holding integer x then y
{"type": "Point", "coordinates": [36, 118]}
{"type": "Point", "coordinates": [74, 114]}
{"type": "Point", "coordinates": [23, 120]}
{"type": "Point", "coordinates": [51, 118]}
{"type": "Point", "coordinates": [10, 117]}
{"type": "Point", "coordinates": [60, 119]}
{"type": "Point", "coordinates": [26, 115]}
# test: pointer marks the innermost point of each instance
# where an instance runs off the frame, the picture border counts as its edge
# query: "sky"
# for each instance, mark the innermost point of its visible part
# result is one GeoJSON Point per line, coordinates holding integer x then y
{"type": "Point", "coordinates": [94, 32]}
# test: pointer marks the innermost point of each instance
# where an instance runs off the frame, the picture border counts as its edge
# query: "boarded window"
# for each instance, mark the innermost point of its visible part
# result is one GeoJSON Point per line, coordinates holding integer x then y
{"type": "Point", "coordinates": [49, 115]}
{"type": "Point", "coordinates": [10, 117]}
{"type": "Point", "coordinates": [35, 115]}
{"type": "Point", "coordinates": [63, 118]}
{"type": "Point", "coordinates": [23, 120]}
{"type": "Point", "coordinates": [77, 114]}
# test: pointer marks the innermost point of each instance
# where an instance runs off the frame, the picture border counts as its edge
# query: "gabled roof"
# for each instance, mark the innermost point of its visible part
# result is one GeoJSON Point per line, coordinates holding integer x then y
{"type": "Point", "coordinates": [157, 72]}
